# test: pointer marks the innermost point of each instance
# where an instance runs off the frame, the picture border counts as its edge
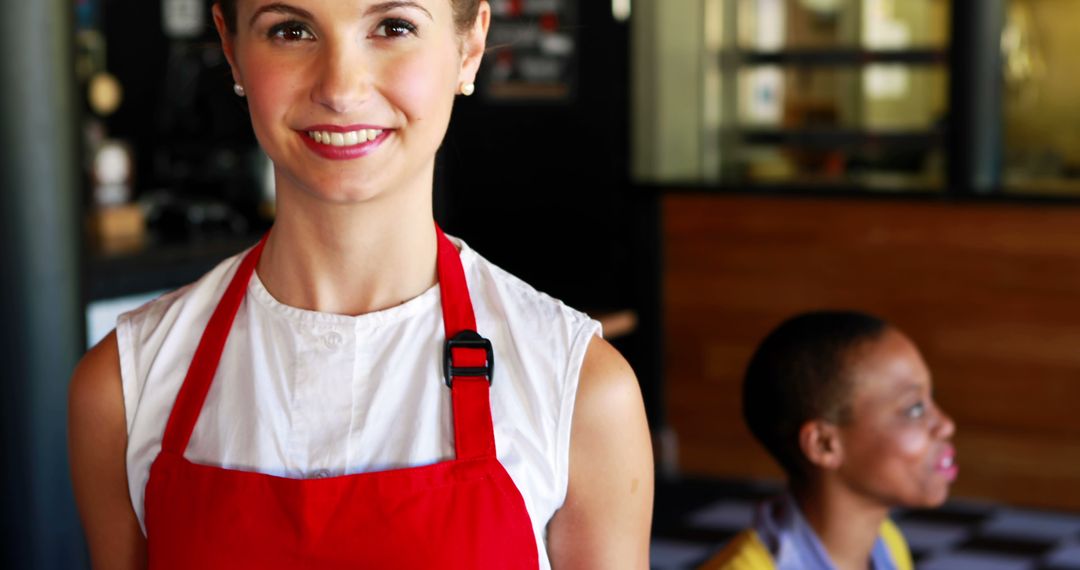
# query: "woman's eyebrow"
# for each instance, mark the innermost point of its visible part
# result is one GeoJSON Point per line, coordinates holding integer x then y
{"type": "Point", "coordinates": [907, 388]}
{"type": "Point", "coordinates": [279, 8]}
{"type": "Point", "coordinates": [383, 7]}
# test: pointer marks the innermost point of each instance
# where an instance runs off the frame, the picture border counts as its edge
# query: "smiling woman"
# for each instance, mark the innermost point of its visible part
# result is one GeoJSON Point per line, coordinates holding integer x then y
{"type": "Point", "coordinates": [843, 401]}
{"type": "Point", "coordinates": [316, 80]}
{"type": "Point", "coordinates": [254, 417]}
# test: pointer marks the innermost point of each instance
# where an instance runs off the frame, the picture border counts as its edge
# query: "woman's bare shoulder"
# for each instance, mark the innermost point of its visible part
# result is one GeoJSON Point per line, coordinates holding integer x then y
{"type": "Point", "coordinates": [97, 441]}
{"type": "Point", "coordinates": [95, 386]}
{"type": "Point", "coordinates": [605, 520]}
{"type": "Point", "coordinates": [100, 362]}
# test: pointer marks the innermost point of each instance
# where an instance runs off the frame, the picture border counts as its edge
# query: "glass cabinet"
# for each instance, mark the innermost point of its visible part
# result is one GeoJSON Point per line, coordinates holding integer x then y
{"type": "Point", "coordinates": [828, 93]}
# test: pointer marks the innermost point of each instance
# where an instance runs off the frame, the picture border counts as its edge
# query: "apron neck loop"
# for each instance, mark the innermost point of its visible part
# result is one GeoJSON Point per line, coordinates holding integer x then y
{"type": "Point", "coordinates": [468, 358]}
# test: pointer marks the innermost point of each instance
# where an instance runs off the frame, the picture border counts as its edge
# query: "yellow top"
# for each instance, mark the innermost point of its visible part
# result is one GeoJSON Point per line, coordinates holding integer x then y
{"type": "Point", "coordinates": [746, 551]}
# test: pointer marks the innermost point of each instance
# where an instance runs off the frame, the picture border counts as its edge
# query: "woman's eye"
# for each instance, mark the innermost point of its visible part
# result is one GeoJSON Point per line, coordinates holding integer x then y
{"type": "Point", "coordinates": [394, 28]}
{"type": "Point", "coordinates": [916, 411]}
{"type": "Point", "coordinates": [291, 32]}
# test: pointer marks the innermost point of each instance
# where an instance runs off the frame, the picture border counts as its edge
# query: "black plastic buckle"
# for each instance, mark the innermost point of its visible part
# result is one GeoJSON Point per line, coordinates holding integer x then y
{"type": "Point", "coordinates": [467, 339]}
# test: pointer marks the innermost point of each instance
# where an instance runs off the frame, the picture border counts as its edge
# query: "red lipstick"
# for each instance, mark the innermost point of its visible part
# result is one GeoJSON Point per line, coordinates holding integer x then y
{"type": "Point", "coordinates": [946, 464]}
{"type": "Point", "coordinates": [321, 140]}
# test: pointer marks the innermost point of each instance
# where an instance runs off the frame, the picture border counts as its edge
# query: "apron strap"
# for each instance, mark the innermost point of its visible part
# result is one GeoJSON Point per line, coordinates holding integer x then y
{"type": "Point", "coordinates": [192, 395]}
{"type": "Point", "coordinates": [468, 353]}
{"type": "Point", "coordinates": [473, 433]}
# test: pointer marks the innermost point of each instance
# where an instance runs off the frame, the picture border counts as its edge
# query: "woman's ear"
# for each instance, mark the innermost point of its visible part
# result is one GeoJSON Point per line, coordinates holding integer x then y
{"type": "Point", "coordinates": [474, 44]}
{"type": "Point", "coordinates": [227, 45]}
{"type": "Point", "coordinates": [820, 442]}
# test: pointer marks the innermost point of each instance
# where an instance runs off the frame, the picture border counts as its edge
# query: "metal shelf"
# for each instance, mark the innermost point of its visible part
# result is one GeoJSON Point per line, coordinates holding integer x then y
{"type": "Point", "coordinates": [843, 137]}
{"type": "Point", "coordinates": [838, 57]}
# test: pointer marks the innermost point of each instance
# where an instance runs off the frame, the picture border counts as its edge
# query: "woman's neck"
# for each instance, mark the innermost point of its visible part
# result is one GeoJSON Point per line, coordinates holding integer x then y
{"type": "Point", "coordinates": [846, 524]}
{"type": "Point", "coordinates": [350, 259]}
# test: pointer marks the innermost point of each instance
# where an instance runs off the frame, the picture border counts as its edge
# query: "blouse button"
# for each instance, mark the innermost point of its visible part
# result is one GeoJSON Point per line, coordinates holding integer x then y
{"type": "Point", "coordinates": [320, 474]}
{"type": "Point", "coordinates": [333, 339]}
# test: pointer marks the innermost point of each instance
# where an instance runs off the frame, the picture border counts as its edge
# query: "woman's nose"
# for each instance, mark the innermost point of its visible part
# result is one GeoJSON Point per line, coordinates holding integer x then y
{"type": "Point", "coordinates": [344, 78]}
{"type": "Point", "coordinates": [945, 427]}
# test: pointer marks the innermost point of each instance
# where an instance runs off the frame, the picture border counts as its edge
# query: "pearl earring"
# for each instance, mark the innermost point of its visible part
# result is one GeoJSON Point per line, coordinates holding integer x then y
{"type": "Point", "coordinates": [239, 90]}
{"type": "Point", "coordinates": [468, 88]}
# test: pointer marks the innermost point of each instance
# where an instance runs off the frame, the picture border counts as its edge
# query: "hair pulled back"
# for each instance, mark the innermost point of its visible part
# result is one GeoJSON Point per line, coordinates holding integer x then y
{"type": "Point", "coordinates": [464, 13]}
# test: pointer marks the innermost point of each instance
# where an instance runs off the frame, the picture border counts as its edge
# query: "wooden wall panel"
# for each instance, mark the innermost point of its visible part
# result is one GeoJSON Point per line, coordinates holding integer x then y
{"type": "Point", "coordinates": [989, 291]}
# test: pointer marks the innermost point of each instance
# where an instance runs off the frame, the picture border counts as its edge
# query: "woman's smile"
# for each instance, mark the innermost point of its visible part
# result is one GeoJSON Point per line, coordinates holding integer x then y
{"type": "Point", "coordinates": [344, 143]}
{"type": "Point", "coordinates": [946, 463]}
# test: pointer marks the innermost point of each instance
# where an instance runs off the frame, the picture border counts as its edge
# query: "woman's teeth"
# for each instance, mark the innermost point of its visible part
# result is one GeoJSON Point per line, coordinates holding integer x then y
{"type": "Point", "coordinates": [345, 139]}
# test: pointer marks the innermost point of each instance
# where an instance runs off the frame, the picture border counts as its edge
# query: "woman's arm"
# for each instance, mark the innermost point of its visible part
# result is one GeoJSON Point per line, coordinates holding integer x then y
{"type": "Point", "coordinates": [607, 516]}
{"type": "Point", "coordinates": [97, 441]}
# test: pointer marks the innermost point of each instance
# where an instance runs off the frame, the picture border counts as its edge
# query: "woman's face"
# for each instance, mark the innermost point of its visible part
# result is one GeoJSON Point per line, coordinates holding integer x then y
{"type": "Point", "coordinates": [897, 448]}
{"type": "Point", "coordinates": [351, 98]}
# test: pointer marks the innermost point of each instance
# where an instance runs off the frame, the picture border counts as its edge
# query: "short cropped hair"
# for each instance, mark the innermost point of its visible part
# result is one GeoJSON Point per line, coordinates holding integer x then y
{"type": "Point", "coordinates": [799, 373]}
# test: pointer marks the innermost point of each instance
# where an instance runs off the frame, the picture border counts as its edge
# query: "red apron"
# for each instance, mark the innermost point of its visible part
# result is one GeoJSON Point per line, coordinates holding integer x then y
{"type": "Point", "coordinates": [462, 513]}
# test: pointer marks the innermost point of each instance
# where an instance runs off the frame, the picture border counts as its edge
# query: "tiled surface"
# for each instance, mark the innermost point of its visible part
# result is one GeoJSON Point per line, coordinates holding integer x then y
{"type": "Point", "coordinates": [730, 514]}
{"type": "Point", "coordinates": [694, 518]}
{"type": "Point", "coordinates": [677, 553]}
{"type": "Point", "coordinates": [1065, 556]}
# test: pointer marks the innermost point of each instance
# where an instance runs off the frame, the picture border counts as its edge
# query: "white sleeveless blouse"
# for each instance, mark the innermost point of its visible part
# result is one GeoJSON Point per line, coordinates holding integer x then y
{"type": "Point", "coordinates": [304, 394]}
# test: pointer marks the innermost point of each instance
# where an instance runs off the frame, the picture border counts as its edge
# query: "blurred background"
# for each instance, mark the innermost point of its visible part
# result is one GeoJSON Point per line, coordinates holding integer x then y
{"type": "Point", "coordinates": [690, 172]}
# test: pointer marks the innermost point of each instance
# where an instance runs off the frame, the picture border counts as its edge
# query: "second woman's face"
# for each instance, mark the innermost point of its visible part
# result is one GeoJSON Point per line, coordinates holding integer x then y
{"type": "Point", "coordinates": [350, 98]}
{"type": "Point", "coordinates": [897, 449]}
